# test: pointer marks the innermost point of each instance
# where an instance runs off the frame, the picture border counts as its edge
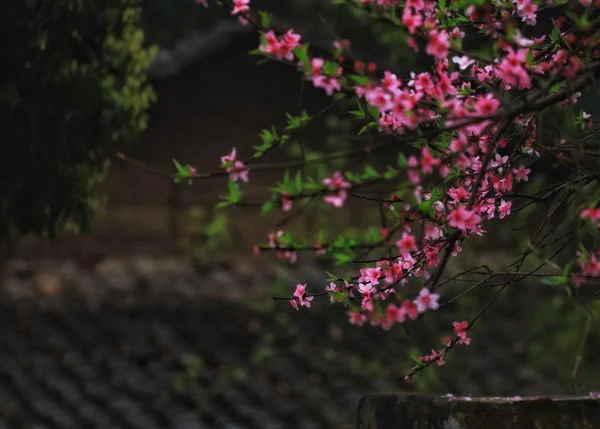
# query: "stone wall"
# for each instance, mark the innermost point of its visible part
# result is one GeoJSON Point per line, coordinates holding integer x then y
{"type": "Point", "coordinates": [405, 411]}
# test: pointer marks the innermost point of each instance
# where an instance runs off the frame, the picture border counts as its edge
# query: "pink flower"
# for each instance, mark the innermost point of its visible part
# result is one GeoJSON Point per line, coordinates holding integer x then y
{"type": "Point", "coordinates": [281, 48]}
{"type": "Point", "coordinates": [504, 209]}
{"type": "Point", "coordinates": [330, 84]}
{"type": "Point", "coordinates": [487, 105]}
{"type": "Point", "coordinates": [463, 62]}
{"type": "Point", "coordinates": [527, 10]}
{"type": "Point", "coordinates": [439, 43]}
{"type": "Point", "coordinates": [460, 329]}
{"type": "Point", "coordinates": [286, 202]}
{"type": "Point", "coordinates": [333, 288]}
{"type": "Point", "coordinates": [202, 2]}
{"type": "Point", "coordinates": [240, 6]}
{"type": "Point", "coordinates": [236, 169]}
{"type": "Point", "coordinates": [522, 173]}
{"type": "Point", "coordinates": [411, 20]}
{"type": "Point", "coordinates": [336, 183]}
{"type": "Point", "coordinates": [341, 44]}
{"type": "Point", "coordinates": [464, 219]}
{"type": "Point", "coordinates": [370, 275]}
{"type": "Point", "coordinates": [499, 162]}
{"type": "Point", "coordinates": [591, 267]}
{"type": "Point", "coordinates": [458, 194]}
{"type": "Point", "coordinates": [366, 290]}
{"type": "Point", "coordinates": [273, 237]}
{"type": "Point", "coordinates": [406, 244]}
{"type": "Point", "coordinates": [390, 81]}
{"type": "Point", "coordinates": [595, 395]}
{"type": "Point", "coordinates": [394, 314]}
{"type": "Point", "coordinates": [410, 309]}
{"type": "Point", "coordinates": [511, 70]}
{"type": "Point", "coordinates": [428, 161]}
{"type": "Point", "coordinates": [300, 297]}
{"type": "Point", "coordinates": [427, 301]}
{"type": "Point", "coordinates": [230, 157]}
{"type": "Point", "coordinates": [436, 357]}
{"type": "Point", "coordinates": [357, 318]}
{"type": "Point", "coordinates": [592, 213]}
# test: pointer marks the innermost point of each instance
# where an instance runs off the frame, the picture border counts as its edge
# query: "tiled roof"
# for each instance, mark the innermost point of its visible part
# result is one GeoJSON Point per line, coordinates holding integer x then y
{"type": "Point", "coordinates": [172, 344]}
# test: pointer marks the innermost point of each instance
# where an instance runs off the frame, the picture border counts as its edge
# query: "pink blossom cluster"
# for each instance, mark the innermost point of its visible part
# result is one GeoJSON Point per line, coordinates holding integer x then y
{"type": "Point", "coordinates": [282, 47]}
{"type": "Point", "coordinates": [330, 84]}
{"type": "Point", "coordinates": [300, 298]}
{"type": "Point", "coordinates": [274, 243]}
{"type": "Point", "coordinates": [593, 214]}
{"type": "Point", "coordinates": [393, 314]}
{"type": "Point", "coordinates": [460, 330]}
{"type": "Point", "coordinates": [236, 168]}
{"type": "Point", "coordinates": [466, 96]}
{"type": "Point", "coordinates": [337, 186]}
{"type": "Point", "coordinates": [589, 264]}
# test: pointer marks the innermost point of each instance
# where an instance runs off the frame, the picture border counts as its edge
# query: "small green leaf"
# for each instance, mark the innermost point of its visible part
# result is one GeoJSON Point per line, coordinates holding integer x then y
{"type": "Point", "coordinates": [554, 280]}
{"type": "Point", "coordinates": [374, 112]}
{"type": "Point", "coordinates": [301, 53]}
{"type": "Point", "coordinates": [265, 19]}
{"type": "Point", "coordinates": [224, 204]}
{"type": "Point", "coordinates": [402, 161]}
{"type": "Point", "coordinates": [181, 170]}
{"type": "Point", "coordinates": [370, 173]}
{"type": "Point", "coordinates": [298, 181]}
{"type": "Point", "coordinates": [390, 173]}
{"type": "Point", "coordinates": [267, 207]}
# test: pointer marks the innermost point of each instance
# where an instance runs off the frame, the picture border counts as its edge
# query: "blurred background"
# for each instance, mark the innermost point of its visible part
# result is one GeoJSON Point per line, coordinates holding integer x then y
{"type": "Point", "coordinates": [150, 309]}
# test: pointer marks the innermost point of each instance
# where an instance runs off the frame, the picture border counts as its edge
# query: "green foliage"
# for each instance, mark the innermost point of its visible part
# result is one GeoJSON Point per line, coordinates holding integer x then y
{"type": "Point", "coordinates": [73, 81]}
{"type": "Point", "coordinates": [203, 234]}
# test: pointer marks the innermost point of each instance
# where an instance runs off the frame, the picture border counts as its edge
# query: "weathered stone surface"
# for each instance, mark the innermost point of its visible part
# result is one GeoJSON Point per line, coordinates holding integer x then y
{"type": "Point", "coordinates": [409, 411]}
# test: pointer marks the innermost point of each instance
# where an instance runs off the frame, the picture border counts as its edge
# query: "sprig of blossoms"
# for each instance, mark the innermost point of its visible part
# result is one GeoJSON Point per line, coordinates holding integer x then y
{"type": "Point", "coordinates": [236, 168]}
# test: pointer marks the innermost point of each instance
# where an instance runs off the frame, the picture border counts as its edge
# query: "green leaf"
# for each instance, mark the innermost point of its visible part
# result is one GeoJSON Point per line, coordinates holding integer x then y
{"type": "Point", "coordinates": [181, 170]}
{"type": "Point", "coordinates": [567, 270]}
{"type": "Point", "coordinates": [357, 113]}
{"type": "Point", "coordinates": [351, 176]}
{"type": "Point", "coordinates": [298, 181]}
{"type": "Point", "coordinates": [331, 277]}
{"type": "Point", "coordinates": [370, 173]}
{"type": "Point", "coordinates": [265, 19]}
{"type": "Point", "coordinates": [330, 68]}
{"type": "Point", "coordinates": [343, 258]}
{"type": "Point", "coordinates": [554, 280]}
{"type": "Point", "coordinates": [402, 161]}
{"type": "Point", "coordinates": [224, 204]}
{"type": "Point", "coordinates": [374, 112]}
{"type": "Point", "coordinates": [360, 80]}
{"type": "Point", "coordinates": [267, 207]}
{"type": "Point", "coordinates": [301, 53]}
{"type": "Point", "coordinates": [390, 173]}
{"type": "Point", "coordinates": [234, 191]}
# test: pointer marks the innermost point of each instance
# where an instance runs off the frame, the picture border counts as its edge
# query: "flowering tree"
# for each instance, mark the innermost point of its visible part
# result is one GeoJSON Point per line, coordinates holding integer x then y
{"type": "Point", "coordinates": [470, 134]}
{"type": "Point", "coordinates": [73, 80]}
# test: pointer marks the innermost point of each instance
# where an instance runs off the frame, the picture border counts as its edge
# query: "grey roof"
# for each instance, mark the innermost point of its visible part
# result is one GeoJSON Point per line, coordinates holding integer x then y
{"type": "Point", "coordinates": [174, 344]}
{"type": "Point", "coordinates": [194, 47]}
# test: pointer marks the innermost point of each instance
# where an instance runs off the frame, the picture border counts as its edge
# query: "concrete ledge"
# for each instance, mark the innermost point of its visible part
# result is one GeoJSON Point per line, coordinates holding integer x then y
{"type": "Point", "coordinates": [409, 411]}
